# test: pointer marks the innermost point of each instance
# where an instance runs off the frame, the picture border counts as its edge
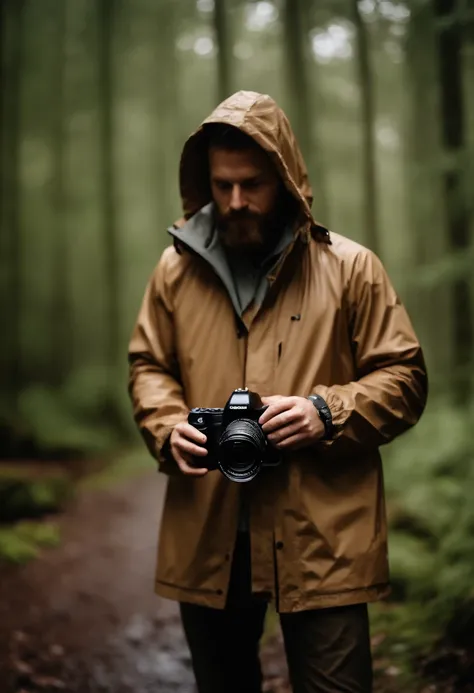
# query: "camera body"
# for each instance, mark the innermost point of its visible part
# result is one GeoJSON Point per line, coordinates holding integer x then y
{"type": "Point", "coordinates": [236, 443]}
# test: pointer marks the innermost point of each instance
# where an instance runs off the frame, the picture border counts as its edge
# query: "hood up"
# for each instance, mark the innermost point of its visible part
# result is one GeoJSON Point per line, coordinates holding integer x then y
{"type": "Point", "coordinates": [258, 116]}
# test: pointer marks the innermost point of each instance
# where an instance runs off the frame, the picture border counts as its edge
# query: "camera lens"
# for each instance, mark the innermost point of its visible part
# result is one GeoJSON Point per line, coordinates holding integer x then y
{"type": "Point", "coordinates": [241, 450]}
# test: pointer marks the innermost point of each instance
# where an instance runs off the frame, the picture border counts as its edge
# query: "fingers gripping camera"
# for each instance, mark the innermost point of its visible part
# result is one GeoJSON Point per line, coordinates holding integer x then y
{"type": "Point", "coordinates": [236, 443]}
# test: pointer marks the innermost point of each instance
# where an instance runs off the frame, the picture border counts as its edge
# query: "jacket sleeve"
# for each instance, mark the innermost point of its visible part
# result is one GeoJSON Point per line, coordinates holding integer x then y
{"type": "Point", "coordinates": [389, 392]}
{"type": "Point", "coordinates": [155, 385]}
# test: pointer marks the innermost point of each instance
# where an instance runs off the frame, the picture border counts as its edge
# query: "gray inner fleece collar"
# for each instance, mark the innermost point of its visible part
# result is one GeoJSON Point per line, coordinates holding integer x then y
{"type": "Point", "coordinates": [243, 281]}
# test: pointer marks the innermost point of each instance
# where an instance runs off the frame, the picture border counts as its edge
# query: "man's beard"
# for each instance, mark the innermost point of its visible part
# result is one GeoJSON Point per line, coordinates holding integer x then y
{"type": "Point", "coordinates": [247, 231]}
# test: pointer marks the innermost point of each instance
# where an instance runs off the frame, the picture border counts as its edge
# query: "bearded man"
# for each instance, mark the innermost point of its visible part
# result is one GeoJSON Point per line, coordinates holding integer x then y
{"type": "Point", "coordinates": [254, 293]}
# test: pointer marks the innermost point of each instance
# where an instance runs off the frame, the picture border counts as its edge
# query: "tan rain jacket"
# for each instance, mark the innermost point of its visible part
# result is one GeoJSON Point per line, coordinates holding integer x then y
{"type": "Point", "coordinates": [317, 522]}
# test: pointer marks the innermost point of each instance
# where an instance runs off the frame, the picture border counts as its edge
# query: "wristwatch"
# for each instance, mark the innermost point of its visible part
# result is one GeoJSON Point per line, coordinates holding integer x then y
{"type": "Point", "coordinates": [324, 414]}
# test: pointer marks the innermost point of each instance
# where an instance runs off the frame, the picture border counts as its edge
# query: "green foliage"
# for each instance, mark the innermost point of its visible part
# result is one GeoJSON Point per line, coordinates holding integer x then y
{"type": "Point", "coordinates": [86, 390]}
{"type": "Point", "coordinates": [405, 631]}
{"type": "Point", "coordinates": [429, 477]}
{"type": "Point", "coordinates": [411, 561]}
{"type": "Point", "coordinates": [76, 418]}
{"type": "Point", "coordinates": [127, 464]}
{"type": "Point", "coordinates": [23, 541]}
{"type": "Point", "coordinates": [23, 494]}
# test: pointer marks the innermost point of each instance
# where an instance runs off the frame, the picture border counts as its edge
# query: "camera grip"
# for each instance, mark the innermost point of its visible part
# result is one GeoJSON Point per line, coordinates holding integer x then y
{"type": "Point", "coordinates": [198, 419]}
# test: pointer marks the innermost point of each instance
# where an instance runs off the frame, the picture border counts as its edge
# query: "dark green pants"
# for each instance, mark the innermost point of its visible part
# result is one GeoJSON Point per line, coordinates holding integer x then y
{"type": "Point", "coordinates": [327, 650]}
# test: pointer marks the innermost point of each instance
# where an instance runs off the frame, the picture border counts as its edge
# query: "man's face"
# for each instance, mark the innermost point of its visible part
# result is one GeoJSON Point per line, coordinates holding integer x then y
{"type": "Point", "coordinates": [245, 187]}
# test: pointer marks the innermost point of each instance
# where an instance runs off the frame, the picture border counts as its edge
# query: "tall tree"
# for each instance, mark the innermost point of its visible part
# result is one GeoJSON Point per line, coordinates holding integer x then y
{"type": "Point", "coordinates": [468, 66]}
{"type": "Point", "coordinates": [166, 99]}
{"type": "Point", "coordinates": [365, 75]}
{"type": "Point", "coordinates": [300, 103]}
{"type": "Point", "coordinates": [422, 146]}
{"type": "Point", "coordinates": [12, 58]}
{"type": "Point", "coordinates": [224, 52]}
{"type": "Point", "coordinates": [422, 133]}
{"type": "Point", "coordinates": [106, 16]}
{"type": "Point", "coordinates": [61, 318]}
{"type": "Point", "coordinates": [450, 45]}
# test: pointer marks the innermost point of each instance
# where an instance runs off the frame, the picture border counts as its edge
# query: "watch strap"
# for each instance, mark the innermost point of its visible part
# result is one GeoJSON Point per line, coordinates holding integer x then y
{"type": "Point", "coordinates": [325, 415]}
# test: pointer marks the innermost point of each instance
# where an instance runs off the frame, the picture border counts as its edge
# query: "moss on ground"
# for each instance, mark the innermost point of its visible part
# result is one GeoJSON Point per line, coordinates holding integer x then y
{"type": "Point", "coordinates": [23, 541]}
{"type": "Point", "coordinates": [31, 490]}
{"type": "Point", "coordinates": [35, 490]}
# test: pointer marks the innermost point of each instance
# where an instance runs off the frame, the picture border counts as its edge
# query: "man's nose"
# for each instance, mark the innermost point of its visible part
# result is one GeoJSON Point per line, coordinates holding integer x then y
{"type": "Point", "coordinates": [237, 200]}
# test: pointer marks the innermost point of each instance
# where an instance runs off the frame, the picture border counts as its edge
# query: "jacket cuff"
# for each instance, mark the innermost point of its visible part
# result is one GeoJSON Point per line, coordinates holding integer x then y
{"type": "Point", "coordinates": [158, 444]}
{"type": "Point", "coordinates": [166, 462]}
{"type": "Point", "coordinates": [340, 414]}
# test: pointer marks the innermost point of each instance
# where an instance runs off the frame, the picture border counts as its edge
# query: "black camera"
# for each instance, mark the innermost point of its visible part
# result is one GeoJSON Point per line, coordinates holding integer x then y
{"type": "Point", "coordinates": [236, 443]}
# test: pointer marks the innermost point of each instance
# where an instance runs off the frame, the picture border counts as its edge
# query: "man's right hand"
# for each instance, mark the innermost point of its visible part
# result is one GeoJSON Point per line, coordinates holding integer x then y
{"type": "Point", "coordinates": [187, 442]}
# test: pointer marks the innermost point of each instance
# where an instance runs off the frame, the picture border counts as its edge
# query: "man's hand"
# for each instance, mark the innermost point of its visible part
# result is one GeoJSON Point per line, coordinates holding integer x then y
{"type": "Point", "coordinates": [187, 442]}
{"type": "Point", "coordinates": [291, 423]}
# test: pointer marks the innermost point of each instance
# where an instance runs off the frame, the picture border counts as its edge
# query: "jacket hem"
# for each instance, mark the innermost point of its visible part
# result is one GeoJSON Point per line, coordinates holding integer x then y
{"type": "Point", "coordinates": [305, 602]}
{"type": "Point", "coordinates": [301, 602]}
{"type": "Point", "coordinates": [213, 599]}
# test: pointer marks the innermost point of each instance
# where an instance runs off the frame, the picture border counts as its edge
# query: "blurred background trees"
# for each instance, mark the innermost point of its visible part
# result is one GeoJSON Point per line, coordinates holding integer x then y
{"type": "Point", "coordinates": [98, 98]}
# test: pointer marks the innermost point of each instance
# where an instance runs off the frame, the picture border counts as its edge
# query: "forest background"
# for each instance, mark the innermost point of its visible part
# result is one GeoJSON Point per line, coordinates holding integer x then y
{"type": "Point", "coordinates": [98, 98]}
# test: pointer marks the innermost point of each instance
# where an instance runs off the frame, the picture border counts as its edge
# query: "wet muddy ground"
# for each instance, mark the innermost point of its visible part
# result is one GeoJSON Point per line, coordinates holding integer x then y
{"type": "Point", "coordinates": [84, 618]}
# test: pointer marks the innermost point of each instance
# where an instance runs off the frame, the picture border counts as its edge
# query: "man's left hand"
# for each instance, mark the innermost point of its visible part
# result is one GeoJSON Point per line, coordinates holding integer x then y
{"type": "Point", "coordinates": [291, 423]}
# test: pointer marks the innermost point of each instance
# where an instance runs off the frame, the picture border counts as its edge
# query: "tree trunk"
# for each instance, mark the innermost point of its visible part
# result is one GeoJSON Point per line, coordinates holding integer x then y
{"type": "Point", "coordinates": [422, 135]}
{"type": "Point", "coordinates": [300, 110]}
{"type": "Point", "coordinates": [468, 57]}
{"type": "Point", "coordinates": [106, 15]}
{"type": "Point", "coordinates": [368, 129]}
{"type": "Point", "coordinates": [12, 57]}
{"type": "Point", "coordinates": [457, 214]}
{"type": "Point", "coordinates": [223, 42]}
{"type": "Point", "coordinates": [61, 352]}
{"type": "Point", "coordinates": [166, 103]}
{"type": "Point", "coordinates": [428, 303]}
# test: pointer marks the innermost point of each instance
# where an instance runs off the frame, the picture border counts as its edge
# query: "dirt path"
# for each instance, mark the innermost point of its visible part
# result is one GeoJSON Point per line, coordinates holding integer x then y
{"type": "Point", "coordinates": [84, 618]}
